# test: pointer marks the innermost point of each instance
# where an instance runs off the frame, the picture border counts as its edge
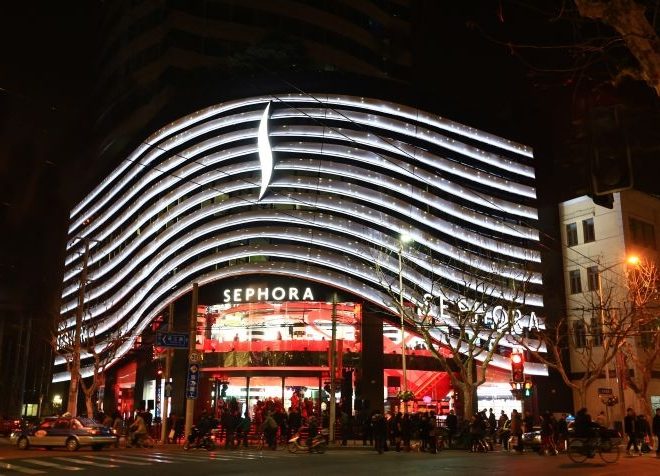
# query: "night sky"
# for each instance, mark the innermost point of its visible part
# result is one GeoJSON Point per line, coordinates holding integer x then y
{"type": "Point", "coordinates": [463, 60]}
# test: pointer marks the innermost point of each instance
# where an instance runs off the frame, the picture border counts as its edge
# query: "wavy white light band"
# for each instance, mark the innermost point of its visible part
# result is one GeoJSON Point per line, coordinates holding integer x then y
{"type": "Point", "coordinates": [384, 107]}
{"type": "Point", "coordinates": [121, 293]}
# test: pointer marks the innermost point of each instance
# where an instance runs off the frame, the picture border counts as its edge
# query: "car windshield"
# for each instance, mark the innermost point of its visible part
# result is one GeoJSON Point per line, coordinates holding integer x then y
{"type": "Point", "coordinates": [87, 422]}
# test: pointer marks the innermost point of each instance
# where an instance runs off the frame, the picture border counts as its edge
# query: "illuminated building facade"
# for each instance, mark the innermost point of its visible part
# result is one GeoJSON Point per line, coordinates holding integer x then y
{"type": "Point", "coordinates": [287, 209]}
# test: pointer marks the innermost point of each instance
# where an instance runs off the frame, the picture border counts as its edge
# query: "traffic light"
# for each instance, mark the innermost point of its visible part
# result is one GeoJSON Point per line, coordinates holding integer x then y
{"type": "Point", "coordinates": [159, 371]}
{"type": "Point", "coordinates": [529, 388]}
{"type": "Point", "coordinates": [517, 368]}
{"type": "Point", "coordinates": [223, 390]}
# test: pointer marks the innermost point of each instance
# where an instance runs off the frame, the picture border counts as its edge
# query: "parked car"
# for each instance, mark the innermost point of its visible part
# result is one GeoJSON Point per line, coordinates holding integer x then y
{"type": "Point", "coordinates": [9, 425]}
{"type": "Point", "coordinates": [532, 439]}
{"type": "Point", "coordinates": [69, 432]}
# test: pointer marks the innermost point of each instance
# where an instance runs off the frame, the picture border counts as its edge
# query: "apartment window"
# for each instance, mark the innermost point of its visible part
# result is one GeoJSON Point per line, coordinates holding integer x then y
{"type": "Point", "coordinates": [588, 230]}
{"type": "Point", "coordinates": [593, 278]}
{"type": "Point", "coordinates": [646, 334]}
{"type": "Point", "coordinates": [580, 334]}
{"type": "Point", "coordinates": [575, 281]}
{"type": "Point", "coordinates": [571, 234]}
{"type": "Point", "coordinates": [596, 332]}
{"type": "Point", "coordinates": [642, 233]}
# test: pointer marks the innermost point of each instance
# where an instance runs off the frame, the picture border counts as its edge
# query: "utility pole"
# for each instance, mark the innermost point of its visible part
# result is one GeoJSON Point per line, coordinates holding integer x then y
{"type": "Point", "coordinates": [333, 369]}
{"type": "Point", "coordinates": [193, 358]}
{"type": "Point", "coordinates": [166, 377]}
{"type": "Point", "coordinates": [72, 404]}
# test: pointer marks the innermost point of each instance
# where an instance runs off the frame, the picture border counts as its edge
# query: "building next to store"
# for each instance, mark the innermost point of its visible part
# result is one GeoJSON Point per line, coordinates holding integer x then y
{"type": "Point", "coordinates": [285, 208]}
{"type": "Point", "coordinates": [603, 250]}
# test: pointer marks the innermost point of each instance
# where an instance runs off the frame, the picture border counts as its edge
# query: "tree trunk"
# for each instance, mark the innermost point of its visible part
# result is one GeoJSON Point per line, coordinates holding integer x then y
{"type": "Point", "coordinates": [582, 397]}
{"type": "Point", "coordinates": [89, 404]}
{"type": "Point", "coordinates": [72, 403]}
{"type": "Point", "coordinates": [469, 401]}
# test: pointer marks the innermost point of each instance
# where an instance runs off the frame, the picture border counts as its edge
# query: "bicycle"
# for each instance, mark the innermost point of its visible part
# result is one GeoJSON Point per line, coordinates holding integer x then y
{"type": "Point", "coordinates": [579, 449]}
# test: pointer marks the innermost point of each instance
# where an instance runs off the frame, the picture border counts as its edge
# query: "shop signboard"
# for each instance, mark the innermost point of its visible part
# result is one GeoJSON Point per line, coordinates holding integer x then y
{"type": "Point", "coordinates": [192, 382]}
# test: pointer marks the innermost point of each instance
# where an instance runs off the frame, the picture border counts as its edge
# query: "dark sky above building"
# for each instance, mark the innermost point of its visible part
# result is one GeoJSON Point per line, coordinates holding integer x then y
{"type": "Point", "coordinates": [464, 63]}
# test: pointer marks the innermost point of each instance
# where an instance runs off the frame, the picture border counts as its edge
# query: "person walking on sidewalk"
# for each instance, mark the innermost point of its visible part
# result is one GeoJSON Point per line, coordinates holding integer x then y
{"type": "Point", "coordinates": [630, 430]}
{"type": "Point", "coordinates": [379, 427]}
{"type": "Point", "coordinates": [656, 431]}
{"type": "Point", "coordinates": [452, 426]}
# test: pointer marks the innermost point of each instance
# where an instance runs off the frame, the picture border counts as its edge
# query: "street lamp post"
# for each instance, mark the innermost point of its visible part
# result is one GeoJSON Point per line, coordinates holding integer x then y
{"type": "Point", "coordinates": [403, 239]}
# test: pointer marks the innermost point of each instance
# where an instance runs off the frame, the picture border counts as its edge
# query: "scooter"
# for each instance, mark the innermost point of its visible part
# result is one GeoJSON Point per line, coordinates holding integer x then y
{"type": "Point", "coordinates": [195, 440]}
{"type": "Point", "coordinates": [319, 443]}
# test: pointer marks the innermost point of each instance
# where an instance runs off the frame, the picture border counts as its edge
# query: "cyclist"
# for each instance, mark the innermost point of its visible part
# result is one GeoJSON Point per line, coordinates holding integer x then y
{"type": "Point", "coordinates": [585, 428]}
{"type": "Point", "coordinates": [313, 427]}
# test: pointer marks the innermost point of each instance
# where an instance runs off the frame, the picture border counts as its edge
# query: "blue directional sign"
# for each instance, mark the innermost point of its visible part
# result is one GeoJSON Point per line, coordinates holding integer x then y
{"type": "Point", "coordinates": [172, 339]}
{"type": "Point", "coordinates": [192, 382]}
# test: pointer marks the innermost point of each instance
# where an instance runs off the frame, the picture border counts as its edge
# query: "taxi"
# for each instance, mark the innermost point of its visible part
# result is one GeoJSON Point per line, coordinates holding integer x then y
{"type": "Point", "coordinates": [69, 432]}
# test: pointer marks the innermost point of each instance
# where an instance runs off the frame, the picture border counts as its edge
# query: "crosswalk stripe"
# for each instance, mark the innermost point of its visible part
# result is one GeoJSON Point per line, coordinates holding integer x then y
{"type": "Point", "coordinates": [149, 457]}
{"type": "Point", "coordinates": [20, 469]}
{"type": "Point", "coordinates": [186, 457]}
{"type": "Point", "coordinates": [49, 464]}
{"type": "Point", "coordinates": [114, 459]}
{"type": "Point", "coordinates": [91, 463]}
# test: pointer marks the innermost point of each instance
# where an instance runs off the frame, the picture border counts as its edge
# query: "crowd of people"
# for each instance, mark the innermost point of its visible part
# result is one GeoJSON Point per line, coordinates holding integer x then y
{"type": "Point", "coordinates": [416, 431]}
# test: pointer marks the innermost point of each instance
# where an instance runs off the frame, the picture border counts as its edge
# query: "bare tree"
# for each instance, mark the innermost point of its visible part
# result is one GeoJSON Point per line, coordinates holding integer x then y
{"type": "Point", "coordinates": [64, 344]}
{"type": "Point", "coordinates": [643, 352]}
{"type": "Point", "coordinates": [100, 360]}
{"type": "Point", "coordinates": [632, 21]}
{"type": "Point", "coordinates": [597, 330]}
{"type": "Point", "coordinates": [464, 328]}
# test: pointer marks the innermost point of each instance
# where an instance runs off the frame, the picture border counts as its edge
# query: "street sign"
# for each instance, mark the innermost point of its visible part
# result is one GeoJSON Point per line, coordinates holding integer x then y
{"type": "Point", "coordinates": [195, 357]}
{"type": "Point", "coordinates": [172, 339]}
{"type": "Point", "coordinates": [192, 382]}
{"type": "Point", "coordinates": [604, 391]}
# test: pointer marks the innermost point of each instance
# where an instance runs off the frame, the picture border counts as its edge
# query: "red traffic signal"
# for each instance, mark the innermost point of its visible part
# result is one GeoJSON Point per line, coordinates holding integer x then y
{"type": "Point", "coordinates": [517, 368]}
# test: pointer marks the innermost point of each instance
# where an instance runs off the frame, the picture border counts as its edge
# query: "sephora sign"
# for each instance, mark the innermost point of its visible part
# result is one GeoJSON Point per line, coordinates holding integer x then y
{"type": "Point", "coordinates": [266, 293]}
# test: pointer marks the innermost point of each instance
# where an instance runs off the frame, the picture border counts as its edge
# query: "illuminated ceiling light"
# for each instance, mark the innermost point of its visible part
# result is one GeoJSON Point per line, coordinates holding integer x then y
{"type": "Point", "coordinates": [265, 152]}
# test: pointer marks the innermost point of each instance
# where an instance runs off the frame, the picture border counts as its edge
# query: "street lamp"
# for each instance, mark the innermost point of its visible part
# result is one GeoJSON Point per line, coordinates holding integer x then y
{"type": "Point", "coordinates": [403, 239]}
{"type": "Point", "coordinates": [633, 261]}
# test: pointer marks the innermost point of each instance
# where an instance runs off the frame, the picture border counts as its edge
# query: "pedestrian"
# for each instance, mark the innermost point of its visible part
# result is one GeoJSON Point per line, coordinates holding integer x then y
{"type": "Point", "coordinates": [244, 429]}
{"type": "Point", "coordinates": [528, 421]}
{"type": "Point", "coordinates": [406, 431]}
{"type": "Point", "coordinates": [345, 425]}
{"type": "Point", "coordinates": [379, 427]}
{"type": "Point", "coordinates": [452, 426]}
{"type": "Point", "coordinates": [492, 422]}
{"type": "Point", "coordinates": [502, 430]}
{"type": "Point", "coordinates": [269, 428]}
{"type": "Point", "coordinates": [642, 433]}
{"type": "Point", "coordinates": [367, 430]}
{"type": "Point", "coordinates": [562, 432]}
{"type": "Point", "coordinates": [118, 427]}
{"type": "Point", "coordinates": [432, 433]}
{"type": "Point", "coordinates": [171, 424]}
{"type": "Point", "coordinates": [601, 419]}
{"type": "Point", "coordinates": [138, 431]}
{"type": "Point", "coordinates": [548, 425]}
{"type": "Point", "coordinates": [516, 431]}
{"type": "Point", "coordinates": [629, 428]}
{"type": "Point", "coordinates": [656, 431]}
